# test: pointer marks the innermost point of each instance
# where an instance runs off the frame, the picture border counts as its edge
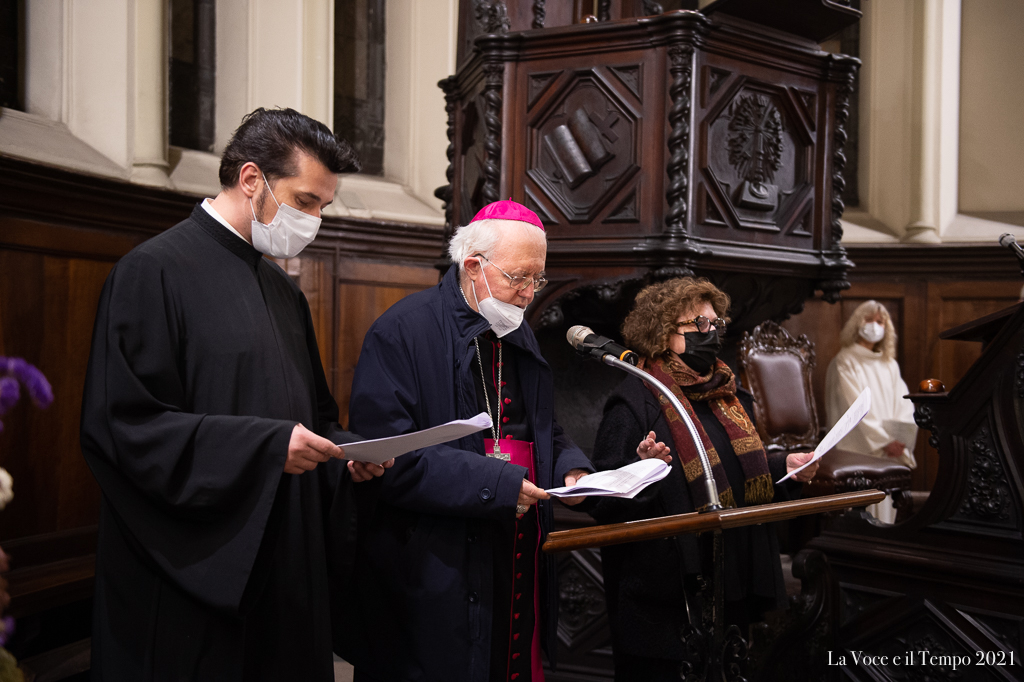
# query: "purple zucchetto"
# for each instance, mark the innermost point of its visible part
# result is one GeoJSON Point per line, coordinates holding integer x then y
{"type": "Point", "coordinates": [508, 210]}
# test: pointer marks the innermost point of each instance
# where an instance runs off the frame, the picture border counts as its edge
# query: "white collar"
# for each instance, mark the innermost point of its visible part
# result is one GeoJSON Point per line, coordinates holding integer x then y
{"type": "Point", "coordinates": [208, 207]}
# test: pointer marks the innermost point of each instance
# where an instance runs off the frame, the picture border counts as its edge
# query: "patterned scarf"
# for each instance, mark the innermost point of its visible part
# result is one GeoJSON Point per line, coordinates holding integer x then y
{"type": "Point", "coordinates": [718, 387]}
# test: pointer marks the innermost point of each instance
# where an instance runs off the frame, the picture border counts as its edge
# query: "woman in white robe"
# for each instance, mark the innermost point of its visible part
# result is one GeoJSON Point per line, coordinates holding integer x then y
{"type": "Point", "coordinates": [867, 360]}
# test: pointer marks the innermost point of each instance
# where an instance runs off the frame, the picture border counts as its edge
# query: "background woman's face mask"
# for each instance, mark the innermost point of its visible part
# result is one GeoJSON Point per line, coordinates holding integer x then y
{"type": "Point", "coordinates": [504, 317]}
{"type": "Point", "coordinates": [872, 332]}
{"type": "Point", "coordinates": [288, 233]}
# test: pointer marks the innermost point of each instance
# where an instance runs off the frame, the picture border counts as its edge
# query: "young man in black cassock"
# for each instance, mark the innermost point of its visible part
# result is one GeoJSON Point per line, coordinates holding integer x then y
{"type": "Point", "coordinates": [208, 423]}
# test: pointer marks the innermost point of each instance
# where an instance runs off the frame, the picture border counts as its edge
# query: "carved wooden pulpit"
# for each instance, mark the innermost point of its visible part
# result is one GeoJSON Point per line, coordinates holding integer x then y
{"type": "Point", "coordinates": [653, 145]}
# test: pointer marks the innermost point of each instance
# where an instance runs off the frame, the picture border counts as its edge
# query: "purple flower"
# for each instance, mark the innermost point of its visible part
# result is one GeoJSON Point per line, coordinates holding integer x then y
{"type": "Point", "coordinates": [10, 392]}
{"type": "Point", "coordinates": [35, 383]}
{"type": "Point", "coordinates": [6, 629]}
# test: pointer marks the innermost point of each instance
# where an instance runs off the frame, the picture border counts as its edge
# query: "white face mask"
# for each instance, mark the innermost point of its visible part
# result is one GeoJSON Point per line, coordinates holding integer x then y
{"type": "Point", "coordinates": [504, 317]}
{"type": "Point", "coordinates": [288, 233]}
{"type": "Point", "coordinates": [872, 332]}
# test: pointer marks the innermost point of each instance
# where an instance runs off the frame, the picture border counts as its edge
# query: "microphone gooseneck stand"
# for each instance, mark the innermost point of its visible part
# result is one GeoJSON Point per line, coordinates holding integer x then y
{"type": "Point", "coordinates": [713, 652]}
{"type": "Point", "coordinates": [714, 504]}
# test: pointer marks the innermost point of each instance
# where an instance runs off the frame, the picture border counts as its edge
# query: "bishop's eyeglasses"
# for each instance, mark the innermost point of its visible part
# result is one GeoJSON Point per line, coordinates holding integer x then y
{"type": "Point", "coordinates": [704, 325]}
{"type": "Point", "coordinates": [518, 282]}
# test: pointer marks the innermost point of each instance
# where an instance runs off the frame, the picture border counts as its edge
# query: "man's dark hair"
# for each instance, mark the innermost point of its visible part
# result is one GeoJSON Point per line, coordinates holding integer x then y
{"type": "Point", "coordinates": [270, 137]}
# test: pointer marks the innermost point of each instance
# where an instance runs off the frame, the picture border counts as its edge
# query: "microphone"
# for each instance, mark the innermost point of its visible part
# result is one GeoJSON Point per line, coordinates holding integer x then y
{"type": "Point", "coordinates": [1010, 242]}
{"type": "Point", "coordinates": [587, 342]}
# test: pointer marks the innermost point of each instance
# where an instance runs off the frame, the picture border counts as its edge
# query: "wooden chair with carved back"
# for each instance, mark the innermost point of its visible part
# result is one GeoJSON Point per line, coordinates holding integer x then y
{"type": "Point", "coordinates": [777, 369]}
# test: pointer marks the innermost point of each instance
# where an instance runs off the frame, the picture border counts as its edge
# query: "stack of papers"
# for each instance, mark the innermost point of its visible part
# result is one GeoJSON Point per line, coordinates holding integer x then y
{"type": "Point", "coordinates": [626, 482]}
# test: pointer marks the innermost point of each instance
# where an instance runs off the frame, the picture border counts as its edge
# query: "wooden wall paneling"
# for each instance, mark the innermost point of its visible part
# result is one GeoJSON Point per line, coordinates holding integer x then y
{"type": "Point", "coordinates": [920, 310]}
{"type": "Point", "coordinates": [364, 291]}
{"type": "Point", "coordinates": [49, 305]}
{"type": "Point", "coordinates": [950, 304]}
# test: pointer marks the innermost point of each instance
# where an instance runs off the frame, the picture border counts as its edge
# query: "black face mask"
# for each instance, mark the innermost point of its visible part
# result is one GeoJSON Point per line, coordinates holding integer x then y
{"type": "Point", "coordinates": [701, 350]}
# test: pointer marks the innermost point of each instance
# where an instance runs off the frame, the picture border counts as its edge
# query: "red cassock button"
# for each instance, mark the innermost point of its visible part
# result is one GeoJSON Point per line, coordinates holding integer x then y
{"type": "Point", "coordinates": [508, 437]}
{"type": "Point", "coordinates": [516, 616]}
{"type": "Point", "coordinates": [504, 383]}
{"type": "Point", "coordinates": [515, 656]}
{"type": "Point", "coordinates": [520, 594]}
{"type": "Point", "coordinates": [518, 576]}
{"type": "Point", "coordinates": [520, 535]}
{"type": "Point", "coordinates": [508, 401]}
{"type": "Point", "coordinates": [504, 420]}
{"type": "Point", "coordinates": [515, 636]}
{"type": "Point", "coordinates": [514, 675]}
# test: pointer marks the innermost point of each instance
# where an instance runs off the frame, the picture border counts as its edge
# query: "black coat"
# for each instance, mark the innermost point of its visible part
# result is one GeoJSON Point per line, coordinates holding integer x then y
{"type": "Point", "coordinates": [643, 580]}
{"type": "Point", "coordinates": [211, 561]}
{"type": "Point", "coordinates": [425, 568]}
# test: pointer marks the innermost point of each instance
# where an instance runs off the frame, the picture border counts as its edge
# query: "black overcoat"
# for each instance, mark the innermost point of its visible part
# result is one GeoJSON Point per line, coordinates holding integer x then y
{"type": "Point", "coordinates": [425, 568]}
{"type": "Point", "coordinates": [211, 562]}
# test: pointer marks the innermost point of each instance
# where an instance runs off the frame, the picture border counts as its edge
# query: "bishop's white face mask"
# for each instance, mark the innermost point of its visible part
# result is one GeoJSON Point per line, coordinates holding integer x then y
{"type": "Point", "coordinates": [288, 233]}
{"type": "Point", "coordinates": [872, 332]}
{"type": "Point", "coordinates": [504, 317]}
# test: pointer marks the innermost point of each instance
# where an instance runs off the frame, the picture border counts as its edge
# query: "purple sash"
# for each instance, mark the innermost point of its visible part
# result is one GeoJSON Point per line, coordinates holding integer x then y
{"type": "Point", "coordinates": [521, 452]}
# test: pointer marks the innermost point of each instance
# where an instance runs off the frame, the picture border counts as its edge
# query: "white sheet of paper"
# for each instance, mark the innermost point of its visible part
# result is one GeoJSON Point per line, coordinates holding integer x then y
{"type": "Point", "coordinates": [381, 450]}
{"type": "Point", "coordinates": [845, 424]}
{"type": "Point", "coordinates": [625, 482]}
{"type": "Point", "coordinates": [904, 432]}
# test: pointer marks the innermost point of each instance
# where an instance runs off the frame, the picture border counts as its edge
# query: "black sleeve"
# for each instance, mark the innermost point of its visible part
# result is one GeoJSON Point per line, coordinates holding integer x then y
{"type": "Point", "coordinates": [192, 491]}
{"type": "Point", "coordinates": [618, 436]}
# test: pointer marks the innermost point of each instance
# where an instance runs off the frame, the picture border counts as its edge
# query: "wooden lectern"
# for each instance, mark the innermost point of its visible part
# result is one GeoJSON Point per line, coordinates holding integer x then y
{"type": "Point", "coordinates": [717, 650]}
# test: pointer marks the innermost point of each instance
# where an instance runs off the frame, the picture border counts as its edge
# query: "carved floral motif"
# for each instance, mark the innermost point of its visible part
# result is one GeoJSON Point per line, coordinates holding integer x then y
{"type": "Point", "coordinates": [988, 496]}
{"type": "Point", "coordinates": [924, 416]}
{"type": "Point", "coordinates": [755, 139]}
{"type": "Point", "coordinates": [492, 15]}
{"type": "Point", "coordinates": [581, 601]}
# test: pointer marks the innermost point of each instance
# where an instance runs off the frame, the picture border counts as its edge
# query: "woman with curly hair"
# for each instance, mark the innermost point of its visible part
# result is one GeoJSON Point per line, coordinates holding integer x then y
{"type": "Point", "coordinates": [676, 326]}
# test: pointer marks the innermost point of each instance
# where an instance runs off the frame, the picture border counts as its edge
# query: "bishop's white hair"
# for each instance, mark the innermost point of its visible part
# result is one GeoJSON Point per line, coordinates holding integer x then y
{"type": "Point", "coordinates": [483, 237]}
{"type": "Point", "coordinates": [851, 330]}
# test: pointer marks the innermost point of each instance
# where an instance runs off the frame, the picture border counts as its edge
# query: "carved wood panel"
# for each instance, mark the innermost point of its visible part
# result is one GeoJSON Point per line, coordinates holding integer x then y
{"type": "Point", "coordinates": [756, 162]}
{"type": "Point", "coordinates": [580, 144]}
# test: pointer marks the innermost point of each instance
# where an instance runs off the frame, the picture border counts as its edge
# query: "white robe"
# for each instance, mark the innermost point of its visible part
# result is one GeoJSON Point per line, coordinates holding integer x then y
{"type": "Point", "coordinates": [852, 370]}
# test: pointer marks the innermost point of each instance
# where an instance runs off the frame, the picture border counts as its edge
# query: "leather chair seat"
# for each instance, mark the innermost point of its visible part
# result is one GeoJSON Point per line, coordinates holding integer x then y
{"type": "Point", "coordinates": [842, 471]}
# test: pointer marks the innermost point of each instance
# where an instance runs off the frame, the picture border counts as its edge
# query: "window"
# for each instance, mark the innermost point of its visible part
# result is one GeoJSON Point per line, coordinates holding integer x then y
{"type": "Point", "coordinates": [192, 73]}
{"type": "Point", "coordinates": [359, 79]}
{"type": "Point", "coordinates": [12, 45]}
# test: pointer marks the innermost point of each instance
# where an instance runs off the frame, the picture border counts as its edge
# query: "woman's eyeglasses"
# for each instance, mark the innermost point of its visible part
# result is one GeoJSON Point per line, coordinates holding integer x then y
{"type": "Point", "coordinates": [704, 325]}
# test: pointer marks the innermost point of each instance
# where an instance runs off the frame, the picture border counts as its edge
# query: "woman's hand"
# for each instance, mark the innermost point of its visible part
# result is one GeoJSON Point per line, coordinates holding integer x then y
{"type": "Point", "coordinates": [797, 460]}
{"type": "Point", "coordinates": [894, 449]}
{"type": "Point", "coordinates": [572, 478]}
{"type": "Point", "coordinates": [649, 448]}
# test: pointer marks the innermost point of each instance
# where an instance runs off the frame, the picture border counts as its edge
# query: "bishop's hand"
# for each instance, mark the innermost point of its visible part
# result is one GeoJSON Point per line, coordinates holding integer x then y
{"type": "Point", "coordinates": [364, 471]}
